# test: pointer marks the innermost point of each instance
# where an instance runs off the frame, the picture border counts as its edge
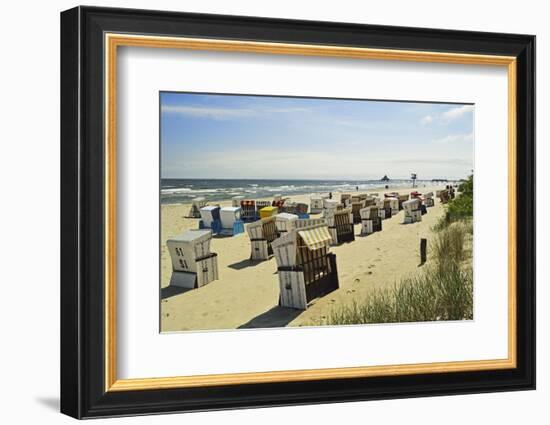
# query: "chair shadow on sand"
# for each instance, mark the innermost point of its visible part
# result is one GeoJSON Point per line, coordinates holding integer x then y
{"type": "Point", "coordinates": [243, 264]}
{"type": "Point", "coordinates": [172, 291]}
{"type": "Point", "coordinates": [276, 317]}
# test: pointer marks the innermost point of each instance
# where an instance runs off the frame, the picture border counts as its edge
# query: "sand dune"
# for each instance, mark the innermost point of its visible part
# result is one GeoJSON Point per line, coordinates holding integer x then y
{"type": "Point", "coordinates": [246, 294]}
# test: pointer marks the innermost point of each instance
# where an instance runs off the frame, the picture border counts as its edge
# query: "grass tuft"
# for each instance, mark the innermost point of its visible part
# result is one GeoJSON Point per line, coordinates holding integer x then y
{"type": "Point", "coordinates": [442, 291]}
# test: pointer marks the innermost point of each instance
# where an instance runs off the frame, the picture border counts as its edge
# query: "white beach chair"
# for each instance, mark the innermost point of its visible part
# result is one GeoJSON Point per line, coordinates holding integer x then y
{"type": "Point", "coordinates": [306, 268]}
{"type": "Point", "coordinates": [429, 199]}
{"type": "Point", "coordinates": [285, 222]}
{"type": "Point", "coordinates": [193, 264]}
{"type": "Point", "coordinates": [412, 211]}
{"type": "Point", "coordinates": [340, 225]}
{"type": "Point", "coordinates": [231, 223]}
{"type": "Point", "coordinates": [370, 221]}
{"type": "Point", "coordinates": [236, 201]}
{"type": "Point", "coordinates": [196, 205]}
{"type": "Point", "coordinates": [262, 233]}
{"type": "Point", "coordinates": [210, 218]}
{"type": "Point", "coordinates": [393, 204]}
{"type": "Point", "coordinates": [316, 204]}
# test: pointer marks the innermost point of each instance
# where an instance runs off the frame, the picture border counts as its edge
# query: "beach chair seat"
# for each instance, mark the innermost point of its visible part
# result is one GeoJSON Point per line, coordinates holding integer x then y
{"type": "Point", "coordinates": [330, 204]}
{"type": "Point", "coordinates": [262, 233]}
{"type": "Point", "coordinates": [248, 210]}
{"type": "Point", "coordinates": [231, 223]}
{"type": "Point", "coordinates": [236, 201]}
{"type": "Point", "coordinates": [285, 222]}
{"type": "Point", "coordinates": [193, 265]}
{"type": "Point", "coordinates": [210, 218]}
{"type": "Point", "coordinates": [370, 220]}
{"type": "Point", "coordinates": [370, 201]}
{"type": "Point", "coordinates": [444, 196]}
{"type": "Point", "coordinates": [306, 268]}
{"type": "Point", "coordinates": [341, 226]}
{"type": "Point", "coordinates": [268, 211]}
{"type": "Point", "coordinates": [316, 204]}
{"type": "Point", "coordinates": [278, 203]}
{"type": "Point", "coordinates": [345, 199]}
{"type": "Point", "coordinates": [356, 208]}
{"type": "Point", "coordinates": [196, 205]}
{"type": "Point", "coordinates": [393, 204]}
{"type": "Point", "coordinates": [384, 210]}
{"type": "Point", "coordinates": [413, 211]}
{"type": "Point", "coordinates": [260, 205]}
{"type": "Point", "coordinates": [301, 210]}
{"type": "Point", "coordinates": [402, 198]}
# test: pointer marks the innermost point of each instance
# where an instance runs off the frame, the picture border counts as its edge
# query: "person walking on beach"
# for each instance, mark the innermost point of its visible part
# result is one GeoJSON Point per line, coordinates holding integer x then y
{"type": "Point", "coordinates": [330, 195]}
{"type": "Point", "coordinates": [357, 188]}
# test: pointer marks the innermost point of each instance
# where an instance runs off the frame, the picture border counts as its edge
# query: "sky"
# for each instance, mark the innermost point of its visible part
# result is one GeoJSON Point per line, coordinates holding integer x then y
{"type": "Point", "coordinates": [264, 137]}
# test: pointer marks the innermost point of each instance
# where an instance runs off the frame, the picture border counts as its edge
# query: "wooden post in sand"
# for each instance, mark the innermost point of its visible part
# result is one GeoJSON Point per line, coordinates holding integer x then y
{"type": "Point", "coordinates": [423, 249]}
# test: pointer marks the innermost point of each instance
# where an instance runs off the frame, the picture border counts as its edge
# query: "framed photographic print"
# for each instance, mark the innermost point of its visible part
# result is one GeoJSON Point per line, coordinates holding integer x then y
{"type": "Point", "coordinates": [261, 212]}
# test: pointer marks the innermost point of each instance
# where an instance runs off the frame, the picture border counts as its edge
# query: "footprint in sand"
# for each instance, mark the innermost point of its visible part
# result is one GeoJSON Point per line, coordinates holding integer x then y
{"type": "Point", "coordinates": [357, 281]}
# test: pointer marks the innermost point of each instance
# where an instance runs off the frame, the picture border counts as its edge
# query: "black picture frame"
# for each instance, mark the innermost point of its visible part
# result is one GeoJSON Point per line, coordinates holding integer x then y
{"type": "Point", "coordinates": [83, 392]}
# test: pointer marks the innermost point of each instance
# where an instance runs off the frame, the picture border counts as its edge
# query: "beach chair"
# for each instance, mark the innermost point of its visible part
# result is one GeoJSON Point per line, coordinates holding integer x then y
{"type": "Point", "coordinates": [231, 223]}
{"type": "Point", "coordinates": [236, 201]}
{"type": "Point", "coordinates": [444, 196]}
{"type": "Point", "coordinates": [260, 205]}
{"type": "Point", "coordinates": [196, 205]}
{"type": "Point", "coordinates": [262, 233]}
{"type": "Point", "coordinates": [316, 204]}
{"type": "Point", "coordinates": [285, 222]}
{"type": "Point", "coordinates": [297, 208]}
{"type": "Point", "coordinates": [451, 192]}
{"type": "Point", "coordinates": [193, 265]}
{"type": "Point", "coordinates": [370, 221]}
{"type": "Point", "coordinates": [370, 201]}
{"type": "Point", "coordinates": [210, 218]}
{"type": "Point", "coordinates": [248, 210]}
{"type": "Point", "coordinates": [269, 211]}
{"type": "Point", "coordinates": [356, 207]}
{"type": "Point", "coordinates": [402, 198]}
{"type": "Point", "coordinates": [340, 225]}
{"type": "Point", "coordinates": [393, 203]}
{"type": "Point", "coordinates": [279, 203]}
{"type": "Point", "coordinates": [345, 199]}
{"type": "Point", "coordinates": [429, 199]}
{"type": "Point", "coordinates": [306, 268]}
{"type": "Point", "coordinates": [330, 204]}
{"type": "Point", "coordinates": [384, 208]}
{"type": "Point", "coordinates": [412, 211]}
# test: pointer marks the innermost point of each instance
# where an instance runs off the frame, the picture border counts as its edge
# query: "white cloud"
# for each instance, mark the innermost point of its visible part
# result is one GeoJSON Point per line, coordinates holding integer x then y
{"type": "Point", "coordinates": [225, 113]}
{"type": "Point", "coordinates": [205, 112]}
{"type": "Point", "coordinates": [455, 138]}
{"type": "Point", "coordinates": [428, 119]}
{"type": "Point", "coordinates": [457, 112]}
{"type": "Point", "coordinates": [336, 164]}
{"type": "Point", "coordinates": [447, 116]}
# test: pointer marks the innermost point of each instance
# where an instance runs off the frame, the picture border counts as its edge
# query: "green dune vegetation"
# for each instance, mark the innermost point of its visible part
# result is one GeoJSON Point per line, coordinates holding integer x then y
{"type": "Point", "coordinates": [443, 287]}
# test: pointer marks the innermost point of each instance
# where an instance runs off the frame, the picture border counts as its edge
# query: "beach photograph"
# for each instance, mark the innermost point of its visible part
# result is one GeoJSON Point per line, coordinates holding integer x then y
{"type": "Point", "coordinates": [284, 212]}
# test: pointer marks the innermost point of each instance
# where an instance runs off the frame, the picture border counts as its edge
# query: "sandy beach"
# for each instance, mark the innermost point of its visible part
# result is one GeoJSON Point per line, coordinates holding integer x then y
{"type": "Point", "coordinates": [246, 294]}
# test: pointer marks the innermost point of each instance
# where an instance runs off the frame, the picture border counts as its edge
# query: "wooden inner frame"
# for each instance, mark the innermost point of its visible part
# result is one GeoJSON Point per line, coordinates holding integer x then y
{"type": "Point", "coordinates": [111, 43]}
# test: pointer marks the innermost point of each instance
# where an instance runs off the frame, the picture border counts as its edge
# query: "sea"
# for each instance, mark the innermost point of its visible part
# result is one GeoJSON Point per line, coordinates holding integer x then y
{"type": "Point", "coordinates": [176, 191]}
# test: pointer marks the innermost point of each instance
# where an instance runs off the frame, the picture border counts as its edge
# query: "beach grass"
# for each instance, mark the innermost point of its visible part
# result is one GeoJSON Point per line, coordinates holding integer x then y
{"type": "Point", "coordinates": [443, 290]}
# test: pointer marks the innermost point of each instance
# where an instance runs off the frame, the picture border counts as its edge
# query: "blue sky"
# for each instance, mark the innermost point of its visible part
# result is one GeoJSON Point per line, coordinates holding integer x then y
{"type": "Point", "coordinates": [227, 136]}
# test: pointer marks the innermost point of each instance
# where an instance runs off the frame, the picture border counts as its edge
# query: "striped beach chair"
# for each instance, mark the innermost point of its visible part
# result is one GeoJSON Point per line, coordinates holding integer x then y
{"type": "Point", "coordinates": [262, 233]}
{"type": "Point", "coordinates": [370, 221]}
{"type": "Point", "coordinates": [306, 268]}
